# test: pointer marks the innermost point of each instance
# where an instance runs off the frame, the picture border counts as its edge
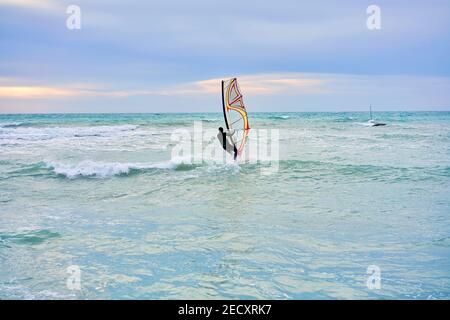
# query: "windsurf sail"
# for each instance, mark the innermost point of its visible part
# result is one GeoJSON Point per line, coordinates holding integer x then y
{"type": "Point", "coordinates": [235, 113]}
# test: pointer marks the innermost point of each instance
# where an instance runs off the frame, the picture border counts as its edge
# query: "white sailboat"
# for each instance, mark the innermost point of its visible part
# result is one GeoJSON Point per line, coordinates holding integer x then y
{"type": "Point", "coordinates": [373, 123]}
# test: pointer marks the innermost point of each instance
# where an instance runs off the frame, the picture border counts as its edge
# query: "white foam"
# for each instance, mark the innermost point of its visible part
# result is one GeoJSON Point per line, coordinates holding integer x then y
{"type": "Point", "coordinates": [95, 169]}
{"type": "Point", "coordinates": [283, 117]}
{"type": "Point", "coordinates": [47, 133]}
{"type": "Point", "coordinates": [210, 120]}
{"type": "Point", "coordinates": [10, 124]}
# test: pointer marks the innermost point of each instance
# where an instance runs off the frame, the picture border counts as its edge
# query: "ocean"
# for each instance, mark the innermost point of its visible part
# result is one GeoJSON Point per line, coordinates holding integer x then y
{"type": "Point", "coordinates": [95, 206]}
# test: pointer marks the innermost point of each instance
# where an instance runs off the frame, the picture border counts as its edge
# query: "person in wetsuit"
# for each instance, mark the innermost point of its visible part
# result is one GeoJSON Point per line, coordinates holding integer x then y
{"type": "Point", "coordinates": [224, 141]}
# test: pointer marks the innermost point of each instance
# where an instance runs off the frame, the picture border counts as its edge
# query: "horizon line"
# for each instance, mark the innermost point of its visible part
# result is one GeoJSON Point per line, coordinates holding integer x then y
{"type": "Point", "coordinates": [198, 112]}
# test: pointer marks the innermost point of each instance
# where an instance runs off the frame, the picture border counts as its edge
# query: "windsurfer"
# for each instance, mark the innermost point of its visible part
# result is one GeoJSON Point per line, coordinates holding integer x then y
{"type": "Point", "coordinates": [224, 138]}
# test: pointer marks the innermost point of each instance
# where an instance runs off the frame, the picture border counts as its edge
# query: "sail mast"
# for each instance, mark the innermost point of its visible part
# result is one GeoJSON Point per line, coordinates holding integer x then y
{"type": "Point", "coordinates": [223, 105]}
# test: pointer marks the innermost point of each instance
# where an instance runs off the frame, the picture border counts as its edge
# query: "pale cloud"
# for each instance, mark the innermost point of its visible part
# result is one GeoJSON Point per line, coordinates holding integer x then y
{"type": "Point", "coordinates": [292, 91]}
{"type": "Point", "coordinates": [16, 88]}
{"type": "Point", "coordinates": [45, 5]}
{"type": "Point", "coordinates": [263, 84]}
{"type": "Point", "coordinates": [25, 92]}
{"type": "Point", "coordinates": [268, 84]}
{"type": "Point", "coordinates": [46, 92]}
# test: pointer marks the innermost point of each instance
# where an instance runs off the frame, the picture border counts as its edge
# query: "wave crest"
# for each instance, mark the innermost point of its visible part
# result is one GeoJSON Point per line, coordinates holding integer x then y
{"type": "Point", "coordinates": [17, 132]}
{"type": "Point", "coordinates": [279, 117]}
{"type": "Point", "coordinates": [11, 124]}
{"type": "Point", "coordinates": [95, 169]}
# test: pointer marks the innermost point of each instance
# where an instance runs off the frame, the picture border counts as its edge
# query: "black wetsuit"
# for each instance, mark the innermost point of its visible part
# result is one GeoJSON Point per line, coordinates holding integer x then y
{"type": "Point", "coordinates": [222, 136]}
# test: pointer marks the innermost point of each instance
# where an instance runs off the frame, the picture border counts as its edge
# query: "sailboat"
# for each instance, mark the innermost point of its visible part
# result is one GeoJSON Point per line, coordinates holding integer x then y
{"type": "Point", "coordinates": [373, 123]}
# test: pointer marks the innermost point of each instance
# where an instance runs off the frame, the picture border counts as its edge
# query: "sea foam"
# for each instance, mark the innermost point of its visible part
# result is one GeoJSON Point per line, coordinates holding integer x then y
{"type": "Point", "coordinates": [48, 133]}
{"type": "Point", "coordinates": [11, 124]}
{"type": "Point", "coordinates": [96, 169]}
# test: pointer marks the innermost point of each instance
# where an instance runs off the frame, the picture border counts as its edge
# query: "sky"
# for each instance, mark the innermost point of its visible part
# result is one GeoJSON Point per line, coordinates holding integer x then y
{"type": "Point", "coordinates": [169, 56]}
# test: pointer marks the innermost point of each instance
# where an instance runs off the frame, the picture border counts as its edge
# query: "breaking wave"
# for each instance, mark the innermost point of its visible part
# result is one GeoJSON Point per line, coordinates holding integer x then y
{"type": "Point", "coordinates": [95, 169]}
{"type": "Point", "coordinates": [12, 124]}
{"type": "Point", "coordinates": [280, 117]}
{"type": "Point", "coordinates": [31, 237]}
{"type": "Point", "coordinates": [210, 120]}
{"type": "Point", "coordinates": [16, 132]}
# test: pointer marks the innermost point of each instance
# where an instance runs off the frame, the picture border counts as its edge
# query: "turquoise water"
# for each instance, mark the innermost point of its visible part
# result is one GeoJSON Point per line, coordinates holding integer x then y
{"type": "Point", "coordinates": [102, 192]}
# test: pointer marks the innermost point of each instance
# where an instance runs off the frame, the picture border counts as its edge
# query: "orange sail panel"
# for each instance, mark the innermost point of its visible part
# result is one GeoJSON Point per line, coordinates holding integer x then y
{"type": "Point", "coordinates": [235, 113]}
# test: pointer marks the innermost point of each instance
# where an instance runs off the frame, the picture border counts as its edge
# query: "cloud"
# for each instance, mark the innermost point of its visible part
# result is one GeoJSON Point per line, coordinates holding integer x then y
{"type": "Point", "coordinates": [264, 92]}
{"type": "Point", "coordinates": [262, 84]}
{"type": "Point", "coordinates": [266, 84]}
{"type": "Point", "coordinates": [27, 92]}
{"type": "Point", "coordinates": [46, 92]}
{"type": "Point", "coordinates": [44, 5]}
